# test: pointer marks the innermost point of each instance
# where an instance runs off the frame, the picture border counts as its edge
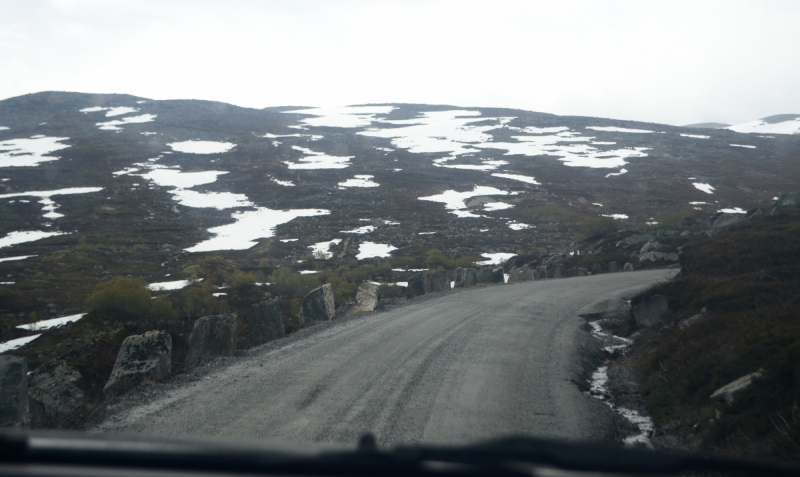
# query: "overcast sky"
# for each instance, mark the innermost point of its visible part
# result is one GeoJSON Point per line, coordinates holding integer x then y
{"type": "Point", "coordinates": [663, 61]}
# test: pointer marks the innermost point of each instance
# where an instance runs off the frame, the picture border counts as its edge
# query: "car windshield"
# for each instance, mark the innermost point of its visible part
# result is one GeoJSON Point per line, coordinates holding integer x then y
{"type": "Point", "coordinates": [430, 223]}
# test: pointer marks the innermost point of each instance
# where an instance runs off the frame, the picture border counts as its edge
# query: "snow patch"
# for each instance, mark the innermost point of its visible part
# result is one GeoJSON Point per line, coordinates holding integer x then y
{"type": "Point", "coordinates": [250, 226]}
{"type": "Point", "coordinates": [29, 152]}
{"type": "Point", "coordinates": [14, 238]}
{"type": "Point", "coordinates": [202, 147]}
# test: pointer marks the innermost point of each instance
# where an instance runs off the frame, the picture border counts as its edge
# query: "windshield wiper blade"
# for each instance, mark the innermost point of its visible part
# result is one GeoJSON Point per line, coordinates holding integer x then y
{"type": "Point", "coordinates": [510, 456]}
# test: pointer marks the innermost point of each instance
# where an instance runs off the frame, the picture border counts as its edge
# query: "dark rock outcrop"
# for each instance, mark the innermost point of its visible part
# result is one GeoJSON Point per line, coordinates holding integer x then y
{"type": "Point", "coordinates": [13, 392]}
{"type": "Point", "coordinates": [211, 336]}
{"type": "Point", "coordinates": [318, 305]}
{"type": "Point", "coordinates": [595, 269]}
{"type": "Point", "coordinates": [466, 277]}
{"type": "Point", "coordinates": [436, 281]}
{"type": "Point", "coordinates": [348, 248]}
{"type": "Point", "coordinates": [53, 392]}
{"type": "Point", "coordinates": [628, 267]}
{"type": "Point", "coordinates": [264, 323]}
{"type": "Point", "coordinates": [650, 310]}
{"type": "Point", "coordinates": [416, 286]}
{"type": "Point", "coordinates": [140, 357]}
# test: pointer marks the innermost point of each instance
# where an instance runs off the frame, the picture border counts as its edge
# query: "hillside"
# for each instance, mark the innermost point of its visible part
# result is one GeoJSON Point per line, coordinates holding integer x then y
{"type": "Point", "coordinates": [211, 207]}
{"type": "Point", "coordinates": [732, 311]}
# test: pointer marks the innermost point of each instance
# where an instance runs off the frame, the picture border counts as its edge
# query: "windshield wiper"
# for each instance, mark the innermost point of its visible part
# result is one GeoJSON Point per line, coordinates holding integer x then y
{"type": "Point", "coordinates": [511, 456]}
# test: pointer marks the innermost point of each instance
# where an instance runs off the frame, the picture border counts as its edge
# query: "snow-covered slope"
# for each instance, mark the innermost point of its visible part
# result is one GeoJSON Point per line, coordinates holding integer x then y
{"type": "Point", "coordinates": [779, 124]}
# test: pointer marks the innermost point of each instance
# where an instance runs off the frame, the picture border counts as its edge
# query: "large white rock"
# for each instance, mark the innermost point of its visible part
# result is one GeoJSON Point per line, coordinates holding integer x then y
{"type": "Point", "coordinates": [731, 391]}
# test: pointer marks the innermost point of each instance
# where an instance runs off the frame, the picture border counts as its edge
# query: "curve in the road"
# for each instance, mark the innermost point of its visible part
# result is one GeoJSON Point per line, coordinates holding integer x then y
{"type": "Point", "coordinates": [468, 365]}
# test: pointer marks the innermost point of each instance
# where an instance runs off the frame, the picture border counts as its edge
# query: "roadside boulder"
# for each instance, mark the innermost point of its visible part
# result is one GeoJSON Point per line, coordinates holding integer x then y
{"type": "Point", "coordinates": [558, 272]}
{"type": "Point", "coordinates": [53, 392]}
{"type": "Point", "coordinates": [211, 336]}
{"type": "Point", "coordinates": [466, 277]}
{"type": "Point", "coordinates": [436, 281]}
{"type": "Point", "coordinates": [367, 298]}
{"type": "Point", "coordinates": [605, 308]}
{"type": "Point", "coordinates": [582, 272]}
{"type": "Point", "coordinates": [612, 267]}
{"type": "Point", "coordinates": [731, 391]}
{"type": "Point", "coordinates": [264, 323]}
{"type": "Point", "coordinates": [318, 305]}
{"type": "Point", "coordinates": [540, 274]}
{"type": "Point", "coordinates": [693, 320]}
{"type": "Point", "coordinates": [728, 221]}
{"type": "Point", "coordinates": [650, 310]}
{"type": "Point", "coordinates": [140, 357]}
{"type": "Point", "coordinates": [628, 267]}
{"type": "Point", "coordinates": [490, 275]}
{"type": "Point", "coordinates": [525, 274]}
{"type": "Point", "coordinates": [595, 269]}
{"type": "Point", "coordinates": [651, 247]}
{"type": "Point", "coordinates": [13, 392]}
{"type": "Point", "coordinates": [789, 200]}
{"type": "Point", "coordinates": [513, 275]}
{"type": "Point", "coordinates": [777, 213]}
{"type": "Point", "coordinates": [416, 286]}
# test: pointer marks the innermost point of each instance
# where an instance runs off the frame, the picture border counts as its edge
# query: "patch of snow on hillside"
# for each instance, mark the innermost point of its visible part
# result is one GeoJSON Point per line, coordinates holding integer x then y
{"type": "Point", "coordinates": [49, 206]}
{"type": "Point", "coordinates": [518, 226]}
{"type": "Point", "coordinates": [19, 257]}
{"type": "Point", "coordinates": [342, 116]}
{"type": "Point", "coordinates": [280, 182]}
{"type": "Point", "coordinates": [250, 226]}
{"type": "Point", "coordinates": [696, 136]}
{"type": "Point", "coordinates": [29, 152]}
{"type": "Point", "coordinates": [4, 128]}
{"type": "Point", "coordinates": [177, 178]}
{"type": "Point", "coordinates": [360, 230]}
{"type": "Point", "coordinates": [495, 258]}
{"type": "Point", "coordinates": [175, 285]}
{"type": "Point", "coordinates": [212, 200]}
{"type": "Point", "coordinates": [447, 132]}
{"type": "Point", "coordinates": [492, 206]}
{"type": "Point", "coordinates": [743, 145]}
{"type": "Point", "coordinates": [618, 129]}
{"type": "Point", "coordinates": [115, 124]}
{"type": "Point", "coordinates": [791, 126]}
{"type": "Point", "coordinates": [127, 170]}
{"type": "Point", "coordinates": [359, 181]}
{"type": "Point", "coordinates": [51, 323]}
{"type": "Point", "coordinates": [318, 160]}
{"type": "Point", "coordinates": [621, 171]}
{"type": "Point", "coordinates": [735, 210]}
{"type": "Point", "coordinates": [202, 147]}
{"type": "Point", "coordinates": [14, 238]}
{"type": "Point", "coordinates": [616, 216]}
{"type": "Point", "coordinates": [454, 200]}
{"type": "Point", "coordinates": [308, 272]}
{"type": "Point", "coordinates": [372, 249]}
{"type": "Point", "coordinates": [120, 110]}
{"type": "Point", "coordinates": [17, 343]}
{"type": "Point", "coordinates": [322, 249]}
{"type": "Point", "coordinates": [567, 151]}
{"type": "Point", "coordinates": [707, 188]}
{"type": "Point", "coordinates": [535, 130]}
{"type": "Point", "coordinates": [517, 177]}
{"type": "Point", "coordinates": [93, 109]}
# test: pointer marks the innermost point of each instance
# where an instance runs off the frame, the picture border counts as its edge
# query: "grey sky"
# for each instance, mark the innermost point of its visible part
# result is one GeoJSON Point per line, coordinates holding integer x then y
{"type": "Point", "coordinates": [664, 61]}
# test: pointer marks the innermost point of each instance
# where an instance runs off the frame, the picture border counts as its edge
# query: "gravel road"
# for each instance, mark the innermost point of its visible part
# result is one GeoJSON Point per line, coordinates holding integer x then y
{"type": "Point", "coordinates": [455, 368]}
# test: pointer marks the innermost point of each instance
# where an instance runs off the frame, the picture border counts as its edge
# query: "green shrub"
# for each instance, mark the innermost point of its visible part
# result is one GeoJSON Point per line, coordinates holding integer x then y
{"type": "Point", "coordinates": [287, 282]}
{"type": "Point", "coordinates": [121, 296]}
